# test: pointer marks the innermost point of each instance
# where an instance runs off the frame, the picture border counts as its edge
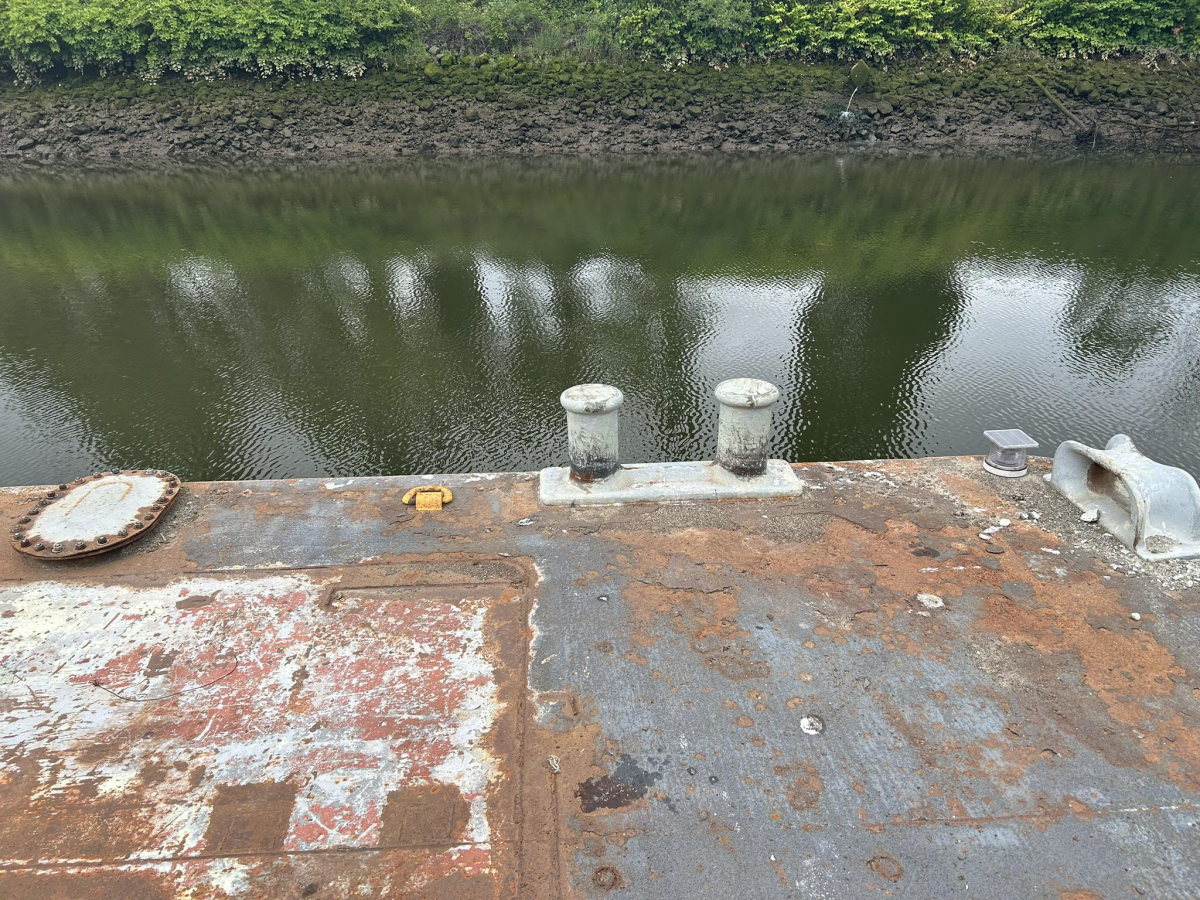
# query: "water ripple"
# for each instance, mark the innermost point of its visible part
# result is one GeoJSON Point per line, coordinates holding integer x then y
{"type": "Point", "coordinates": [426, 320]}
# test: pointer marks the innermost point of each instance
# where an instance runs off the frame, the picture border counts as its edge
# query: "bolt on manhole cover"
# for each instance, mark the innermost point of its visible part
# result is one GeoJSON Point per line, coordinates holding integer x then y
{"type": "Point", "coordinates": [94, 514]}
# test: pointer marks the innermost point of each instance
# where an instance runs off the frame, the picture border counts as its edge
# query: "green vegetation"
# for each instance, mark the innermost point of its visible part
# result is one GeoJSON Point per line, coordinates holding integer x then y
{"type": "Point", "coordinates": [206, 37]}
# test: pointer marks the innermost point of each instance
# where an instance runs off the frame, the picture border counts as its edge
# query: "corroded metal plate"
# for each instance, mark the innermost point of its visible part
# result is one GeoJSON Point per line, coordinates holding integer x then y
{"type": "Point", "coordinates": [341, 733]}
{"type": "Point", "coordinates": [93, 514]}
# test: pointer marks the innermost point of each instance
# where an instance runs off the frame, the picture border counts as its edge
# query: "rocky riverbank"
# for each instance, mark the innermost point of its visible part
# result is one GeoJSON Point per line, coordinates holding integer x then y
{"type": "Point", "coordinates": [480, 106]}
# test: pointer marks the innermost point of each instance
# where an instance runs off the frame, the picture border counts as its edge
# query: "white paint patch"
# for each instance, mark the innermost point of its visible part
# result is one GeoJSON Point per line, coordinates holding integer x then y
{"type": "Point", "coordinates": [931, 601]}
{"type": "Point", "coordinates": [812, 724]}
{"type": "Point", "coordinates": [98, 507]}
{"type": "Point", "coordinates": [472, 767]}
{"type": "Point", "coordinates": [230, 876]}
{"type": "Point", "coordinates": [543, 706]}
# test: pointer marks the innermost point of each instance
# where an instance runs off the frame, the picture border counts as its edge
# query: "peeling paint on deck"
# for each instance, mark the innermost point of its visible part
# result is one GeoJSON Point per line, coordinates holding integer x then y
{"type": "Point", "coordinates": [217, 717]}
{"type": "Point", "coordinates": [307, 689]}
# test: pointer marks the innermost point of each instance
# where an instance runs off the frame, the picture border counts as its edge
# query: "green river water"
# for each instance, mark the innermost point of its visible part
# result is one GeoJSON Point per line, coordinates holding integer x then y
{"type": "Point", "coordinates": [425, 318]}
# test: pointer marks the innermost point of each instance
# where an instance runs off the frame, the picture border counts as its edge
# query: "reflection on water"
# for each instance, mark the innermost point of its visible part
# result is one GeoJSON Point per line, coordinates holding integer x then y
{"type": "Point", "coordinates": [425, 319]}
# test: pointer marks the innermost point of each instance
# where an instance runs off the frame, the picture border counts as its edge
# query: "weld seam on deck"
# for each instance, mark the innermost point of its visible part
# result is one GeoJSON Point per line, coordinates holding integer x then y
{"type": "Point", "coordinates": [137, 580]}
{"type": "Point", "coordinates": [977, 821]}
{"type": "Point", "coordinates": [528, 603]}
{"type": "Point", "coordinates": [260, 854]}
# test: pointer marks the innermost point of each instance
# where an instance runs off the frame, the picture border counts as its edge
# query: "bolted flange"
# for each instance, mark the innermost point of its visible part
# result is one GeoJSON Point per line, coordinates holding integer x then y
{"type": "Point", "coordinates": [92, 515]}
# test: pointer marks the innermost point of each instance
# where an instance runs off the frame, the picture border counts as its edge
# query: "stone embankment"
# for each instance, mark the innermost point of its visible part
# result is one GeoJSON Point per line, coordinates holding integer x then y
{"type": "Point", "coordinates": [480, 106]}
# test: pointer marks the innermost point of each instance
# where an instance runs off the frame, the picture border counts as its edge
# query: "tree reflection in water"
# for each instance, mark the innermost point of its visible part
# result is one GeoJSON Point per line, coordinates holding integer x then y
{"type": "Point", "coordinates": [425, 319]}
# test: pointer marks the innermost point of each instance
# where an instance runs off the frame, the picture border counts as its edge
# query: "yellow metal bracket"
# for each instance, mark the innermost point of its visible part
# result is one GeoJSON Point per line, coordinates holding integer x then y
{"type": "Point", "coordinates": [428, 496]}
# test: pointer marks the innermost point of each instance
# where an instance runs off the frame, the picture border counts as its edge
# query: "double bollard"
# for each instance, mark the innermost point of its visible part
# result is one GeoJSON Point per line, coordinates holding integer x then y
{"type": "Point", "coordinates": [743, 427]}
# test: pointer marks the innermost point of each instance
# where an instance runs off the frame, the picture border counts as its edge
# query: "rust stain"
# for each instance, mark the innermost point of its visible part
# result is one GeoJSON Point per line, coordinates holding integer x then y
{"type": "Point", "coordinates": [804, 791]}
{"type": "Point", "coordinates": [607, 878]}
{"type": "Point", "coordinates": [886, 866]}
{"type": "Point", "coordinates": [250, 818]}
{"type": "Point", "coordinates": [160, 662]}
{"type": "Point", "coordinates": [196, 602]}
{"type": "Point", "coordinates": [142, 885]}
{"type": "Point", "coordinates": [153, 773]}
{"type": "Point", "coordinates": [707, 617]}
{"type": "Point", "coordinates": [1044, 814]}
{"type": "Point", "coordinates": [1083, 622]}
{"type": "Point", "coordinates": [424, 814]}
{"type": "Point", "coordinates": [779, 872]}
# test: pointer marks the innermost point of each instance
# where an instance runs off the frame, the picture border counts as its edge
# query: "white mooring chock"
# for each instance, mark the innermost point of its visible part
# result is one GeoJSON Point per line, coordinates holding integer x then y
{"type": "Point", "coordinates": [741, 470]}
{"type": "Point", "coordinates": [1151, 508]}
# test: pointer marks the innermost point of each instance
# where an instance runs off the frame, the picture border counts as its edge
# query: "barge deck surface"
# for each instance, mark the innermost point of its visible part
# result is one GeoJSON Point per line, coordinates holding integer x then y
{"type": "Point", "coordinates": [307, 689]}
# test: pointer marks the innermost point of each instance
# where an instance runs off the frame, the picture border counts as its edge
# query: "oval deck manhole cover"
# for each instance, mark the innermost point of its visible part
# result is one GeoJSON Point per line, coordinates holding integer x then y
{"type": "Point", "coordinates": [94, 514]}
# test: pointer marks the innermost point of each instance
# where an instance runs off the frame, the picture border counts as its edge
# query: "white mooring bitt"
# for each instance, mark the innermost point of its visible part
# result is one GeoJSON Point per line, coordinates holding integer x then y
{"type": "Point", "coordinates": [744, 425]}
{"type": "Point", "coordinates": [741, 470]}
{"type": "Point", "coordinates": [593, 412]}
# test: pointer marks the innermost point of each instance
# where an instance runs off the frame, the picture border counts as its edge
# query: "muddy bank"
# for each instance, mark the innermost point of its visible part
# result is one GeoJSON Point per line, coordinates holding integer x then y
{"type": "Point", "coordinates": [485, 106]}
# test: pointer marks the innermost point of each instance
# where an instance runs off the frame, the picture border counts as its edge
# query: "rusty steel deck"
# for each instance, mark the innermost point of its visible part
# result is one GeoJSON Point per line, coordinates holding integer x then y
{"type": "Point", "coordinates": [307, 689]}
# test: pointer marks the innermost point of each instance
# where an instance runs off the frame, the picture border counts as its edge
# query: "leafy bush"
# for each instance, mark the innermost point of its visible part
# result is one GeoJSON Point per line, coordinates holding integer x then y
{"type": "Point", "coordinates": [859, 27]}
{"type": "Point", "coordinates": [202, 35]}
{"type": "Point", "coordinates": [343, 36]}
{"type": "Point", "coordinates": [1069, 27]}
{"type": "Point", "coordinates": [729, 29]}
{"type": "Point", "coordinates": [511, 23]}
{"type": "Point", "coordinates": [452, 23]}
{"type": "Point", "coordinates": [695, 29]}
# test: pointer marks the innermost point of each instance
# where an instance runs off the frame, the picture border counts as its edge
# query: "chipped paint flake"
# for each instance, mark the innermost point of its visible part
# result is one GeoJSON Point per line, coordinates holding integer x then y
{"type": "Point", "coordinates": [931, 601]}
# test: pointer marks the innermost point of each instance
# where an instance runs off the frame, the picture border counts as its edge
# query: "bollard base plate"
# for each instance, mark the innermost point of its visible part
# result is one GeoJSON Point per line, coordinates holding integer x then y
{"type": "Point", "coordinates": [667, 483]}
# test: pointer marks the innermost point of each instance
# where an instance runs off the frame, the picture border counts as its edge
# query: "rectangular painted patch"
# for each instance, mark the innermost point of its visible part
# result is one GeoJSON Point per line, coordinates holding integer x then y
{"type": "Point", "coordinates": [218, 723]}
